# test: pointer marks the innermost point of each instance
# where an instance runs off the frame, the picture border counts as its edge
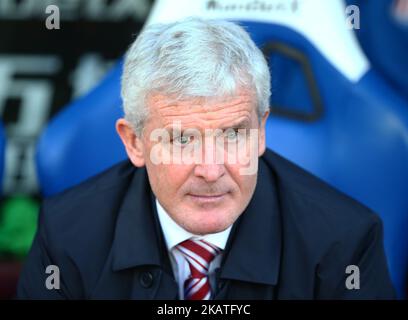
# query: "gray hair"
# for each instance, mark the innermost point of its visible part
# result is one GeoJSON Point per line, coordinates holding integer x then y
{"type": "Point", "coordinates": [192, 58]}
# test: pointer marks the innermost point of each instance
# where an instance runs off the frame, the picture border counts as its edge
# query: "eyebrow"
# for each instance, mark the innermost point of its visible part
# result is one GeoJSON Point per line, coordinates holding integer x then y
{"type": "Point", "coordinates": [243, 124]}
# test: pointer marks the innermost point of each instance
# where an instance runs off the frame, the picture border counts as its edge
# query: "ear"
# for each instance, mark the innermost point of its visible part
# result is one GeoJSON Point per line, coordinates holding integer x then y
{"type": "Point", "coordinates": [133, 144]}
{"type": "Point", "coordinates": [261, 139]}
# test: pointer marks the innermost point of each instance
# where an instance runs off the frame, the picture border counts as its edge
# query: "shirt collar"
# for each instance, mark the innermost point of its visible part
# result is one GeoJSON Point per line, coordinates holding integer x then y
{"type": "Point", "coordinates": [175, 234]}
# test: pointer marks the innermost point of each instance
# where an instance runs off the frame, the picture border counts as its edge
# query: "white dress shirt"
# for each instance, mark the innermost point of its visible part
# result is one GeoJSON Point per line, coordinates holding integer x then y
{"type": "Point", "coordinates": [175, 234]}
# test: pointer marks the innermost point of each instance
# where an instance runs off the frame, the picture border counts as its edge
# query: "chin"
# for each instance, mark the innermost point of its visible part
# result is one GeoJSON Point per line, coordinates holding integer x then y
{"type": "Point", "coordinates": [208, 223]}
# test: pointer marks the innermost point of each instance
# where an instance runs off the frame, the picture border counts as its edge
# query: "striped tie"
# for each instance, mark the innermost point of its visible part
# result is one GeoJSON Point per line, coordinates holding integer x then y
{"type": "Point", "coordinates": [199, 255]}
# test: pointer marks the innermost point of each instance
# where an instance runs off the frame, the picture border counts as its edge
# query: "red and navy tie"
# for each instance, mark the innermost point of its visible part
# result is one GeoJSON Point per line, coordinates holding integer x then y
{"type": "Point", "coordinates": [199, 254]}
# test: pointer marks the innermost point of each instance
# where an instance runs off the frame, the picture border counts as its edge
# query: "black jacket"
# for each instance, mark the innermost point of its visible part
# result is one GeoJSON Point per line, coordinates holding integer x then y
{"type": "Point", "coordinates": [294, 241]}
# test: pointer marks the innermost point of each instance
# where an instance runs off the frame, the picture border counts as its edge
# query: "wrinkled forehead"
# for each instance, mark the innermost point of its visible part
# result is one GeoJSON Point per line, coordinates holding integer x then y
{"type": "Point", "coordinates": [164, 105]}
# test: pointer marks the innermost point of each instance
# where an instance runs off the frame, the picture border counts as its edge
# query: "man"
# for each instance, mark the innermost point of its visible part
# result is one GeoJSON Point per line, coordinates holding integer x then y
{"type": "Point", "coordinates": [202, 210]}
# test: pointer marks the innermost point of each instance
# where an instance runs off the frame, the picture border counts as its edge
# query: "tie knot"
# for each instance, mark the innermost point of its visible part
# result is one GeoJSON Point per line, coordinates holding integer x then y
{"type": "Point", "coordinates": [199, 254]}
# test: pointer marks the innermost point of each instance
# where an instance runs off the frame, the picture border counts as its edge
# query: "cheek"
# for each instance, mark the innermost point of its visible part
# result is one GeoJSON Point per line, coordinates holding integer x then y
{"type": "Point", "coordinates": [245, 183]}
{"type": "Point", "coordinates": [167, 180]}
{"type": "Point", "coordinates": [176, 175]}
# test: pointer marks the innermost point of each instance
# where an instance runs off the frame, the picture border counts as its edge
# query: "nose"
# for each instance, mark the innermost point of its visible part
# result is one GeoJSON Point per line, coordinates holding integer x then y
{"type": "Point", "coordinates": [209, 172]}
{"type": "Point", "coordinates": [210, 169]}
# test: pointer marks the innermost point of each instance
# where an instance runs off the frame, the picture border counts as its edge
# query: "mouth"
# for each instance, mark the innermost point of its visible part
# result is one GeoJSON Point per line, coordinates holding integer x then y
{"type": "Point", "coordinates": [207, 198]}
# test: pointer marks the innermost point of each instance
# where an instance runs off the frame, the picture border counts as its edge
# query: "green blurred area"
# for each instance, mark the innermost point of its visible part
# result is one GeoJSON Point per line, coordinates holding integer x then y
{"type": "Point", "coordinates": [18, 223]}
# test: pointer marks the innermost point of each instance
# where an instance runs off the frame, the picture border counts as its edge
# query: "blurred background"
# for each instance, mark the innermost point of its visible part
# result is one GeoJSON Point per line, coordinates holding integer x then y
{"type": "Point", "coordinates": [339, 106]}
{"type": "Point", "coordinates": [41, 72]}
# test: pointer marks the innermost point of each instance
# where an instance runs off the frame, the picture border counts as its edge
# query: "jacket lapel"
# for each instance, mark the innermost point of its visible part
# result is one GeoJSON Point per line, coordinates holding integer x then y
{"type": "Point", "coordinates": [250, 267]}
{"type": "Point", "coordinates": [139, 245]}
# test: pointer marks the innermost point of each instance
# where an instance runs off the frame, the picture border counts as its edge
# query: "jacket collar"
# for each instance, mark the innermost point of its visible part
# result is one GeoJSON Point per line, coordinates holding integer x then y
{"type": "Point", "coordinates": [137, 240]}
{"type": "Point", "coordinates": [253, 249]}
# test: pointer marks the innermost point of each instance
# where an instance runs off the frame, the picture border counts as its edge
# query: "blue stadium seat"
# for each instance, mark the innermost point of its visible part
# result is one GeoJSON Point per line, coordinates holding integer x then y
{"type": "Point", "coordinates": [81, 140]}
{"type": "Point", "coordinates": [355, 138]}
{"type": "Point", "coordinates": [340, 121]}
{"type": "Point", "coordinates": [384, 39]}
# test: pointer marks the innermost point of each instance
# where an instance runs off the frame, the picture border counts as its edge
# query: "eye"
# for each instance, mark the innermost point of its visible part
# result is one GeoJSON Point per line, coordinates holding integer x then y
{"type": "Point", "coordinates": [182, 140]}
{"type": "Point", "coordinates": [232, 134]}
